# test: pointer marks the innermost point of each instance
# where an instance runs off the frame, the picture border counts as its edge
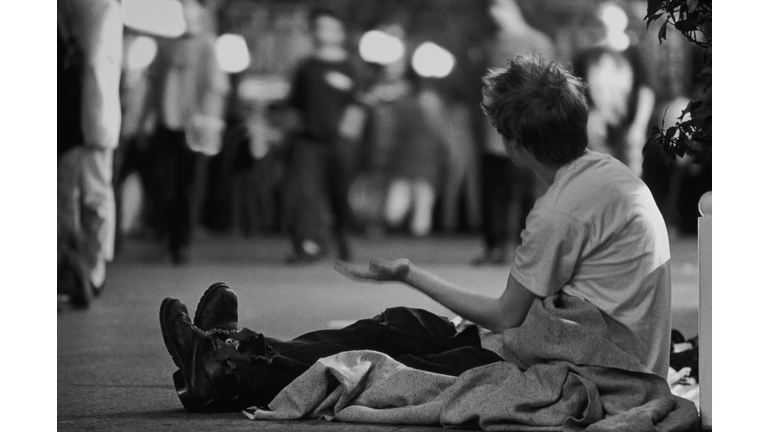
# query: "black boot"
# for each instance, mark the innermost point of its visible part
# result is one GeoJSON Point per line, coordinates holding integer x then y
{"type": "Point", "coordinates": [202, 381]}
{"type": "Point", "coordinates": [222, 370]}
{"type": "Point", "coordinates": [217, 309]}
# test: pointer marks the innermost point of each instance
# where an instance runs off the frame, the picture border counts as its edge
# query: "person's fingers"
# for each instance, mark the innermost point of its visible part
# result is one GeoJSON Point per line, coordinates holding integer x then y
{"type": "Point", "coordinates": [347, 269]}
{"type": "Point", "coordinates": [379, 264]}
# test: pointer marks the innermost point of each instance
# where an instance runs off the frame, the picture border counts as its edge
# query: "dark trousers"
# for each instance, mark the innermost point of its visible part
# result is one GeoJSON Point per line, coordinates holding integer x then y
{"type": "Point", "coordinates": [318, 182]}
{"type": "Point", "coordinates": [508, 196]}
{"type": "Point", "coordinates": [174, 173]}
{"type": "Point", "coordinates": [497, 180]}
{"type": "Point", "coordinates": [414, 337]}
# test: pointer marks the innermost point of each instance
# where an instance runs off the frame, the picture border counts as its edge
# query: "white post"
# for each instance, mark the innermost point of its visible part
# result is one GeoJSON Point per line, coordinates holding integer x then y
{"type": "Point", "coordinates": [705, 310]}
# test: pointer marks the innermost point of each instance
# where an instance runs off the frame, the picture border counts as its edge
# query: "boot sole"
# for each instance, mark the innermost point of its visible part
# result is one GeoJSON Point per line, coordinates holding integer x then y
{"type": "Point", "coordinates": [204, 300]}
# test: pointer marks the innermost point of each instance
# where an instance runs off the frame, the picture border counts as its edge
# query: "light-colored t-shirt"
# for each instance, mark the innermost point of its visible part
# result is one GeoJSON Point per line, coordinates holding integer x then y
{"type": "Point", "coordinates": [597, 234]}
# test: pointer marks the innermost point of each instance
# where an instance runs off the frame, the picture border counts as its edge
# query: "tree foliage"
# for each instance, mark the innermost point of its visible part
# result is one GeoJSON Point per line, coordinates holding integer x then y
{"type": "Point", "coordinates": [691, 134]}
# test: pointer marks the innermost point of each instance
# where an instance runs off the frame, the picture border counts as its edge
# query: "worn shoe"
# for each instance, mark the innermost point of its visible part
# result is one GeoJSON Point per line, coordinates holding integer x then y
{"type": "Point", "coordinates": [217, 309]}
{"type": "Point", "coordinates": [203, 382]}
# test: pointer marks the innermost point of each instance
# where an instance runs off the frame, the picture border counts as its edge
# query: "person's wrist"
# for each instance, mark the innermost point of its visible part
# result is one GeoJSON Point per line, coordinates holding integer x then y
{"type": "Point", "coordinates": [404, 270]}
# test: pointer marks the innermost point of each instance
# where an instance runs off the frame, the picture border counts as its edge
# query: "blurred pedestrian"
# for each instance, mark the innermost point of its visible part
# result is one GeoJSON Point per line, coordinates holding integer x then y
{"type": "Point", "coordinates": [187, 95]}
{"type": "Point", "coordinates": [508, 192]}
{"type": "Point", "coordinates": [90, 44]}
{"type": "Point", "coordinates": [415, 161]}
{"type": "Point", "coordinates": [620, 100]}
{"type": "Point", "coordinates": [322, 103]}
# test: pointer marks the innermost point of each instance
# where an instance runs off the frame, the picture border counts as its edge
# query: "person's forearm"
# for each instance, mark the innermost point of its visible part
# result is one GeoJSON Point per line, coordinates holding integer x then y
{"type": "Point", "coordinates": [480, 309]}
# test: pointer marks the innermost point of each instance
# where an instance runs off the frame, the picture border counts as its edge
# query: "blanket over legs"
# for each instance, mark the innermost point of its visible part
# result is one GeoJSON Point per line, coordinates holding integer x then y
{"type": "Point", "coordinates": [566, 374]}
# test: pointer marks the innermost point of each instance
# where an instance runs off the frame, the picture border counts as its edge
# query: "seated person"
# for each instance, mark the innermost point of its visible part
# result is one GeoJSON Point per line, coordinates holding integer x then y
{"type": "Point", "coordinates": [595, 234]}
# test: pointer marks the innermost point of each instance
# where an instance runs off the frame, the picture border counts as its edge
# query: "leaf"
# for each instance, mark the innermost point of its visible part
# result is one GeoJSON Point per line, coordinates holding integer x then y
{"type": "Point", "coordinates": [651, 19]}
{"type": "Point", "coordinates": [702, 111]}
{"type": "Point", "coordinates": [653, 6]}
{"type": "Point", "coordinates": [670, 132]}
{"type": "Point", "coordinates": [663, 32]}
{"type": "Point", "coordinates": [692, 4]}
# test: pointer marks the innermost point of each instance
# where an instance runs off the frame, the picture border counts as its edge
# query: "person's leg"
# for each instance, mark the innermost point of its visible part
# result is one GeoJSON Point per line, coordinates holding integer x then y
{"type": "Point", "coordinates": [72, 274]}
{"type": "Point", "coordinates": [180, 228]}
{"type": "Point", "coordinates": [161, 169]}
{"type": "Point", "coordinates": [98, 212]}
{"type": "Point", "coordinates": [497, 194]}
{"type": "Point", "coordinates": [338, 179]}
{"type": "Point", "coordinates": [399, 331]}
{"type": "Point", "coordinates": [68, 196]}
{"type": "Point", "coordinates": [398, 202]}
{"type": "Point", "coordinates": [307, 193]}
{"type": "Point", "coordinates": [423, 207]}
{"type": "Point", "coordinates": [221, 368]}
{"type": "Point", "coordinates": [417, 338]}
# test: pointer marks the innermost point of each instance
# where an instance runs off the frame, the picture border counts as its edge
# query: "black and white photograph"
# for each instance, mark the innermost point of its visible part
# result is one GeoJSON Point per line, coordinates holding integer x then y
{"type": "Point", "coordinates": [386, 215]}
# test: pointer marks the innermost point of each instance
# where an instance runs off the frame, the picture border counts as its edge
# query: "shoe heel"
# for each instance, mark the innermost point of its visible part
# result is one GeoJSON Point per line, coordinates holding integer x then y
{"type": "Point", "coordinates": [218, 404]}
{"type": "Point", "coordinates": [182, 390]}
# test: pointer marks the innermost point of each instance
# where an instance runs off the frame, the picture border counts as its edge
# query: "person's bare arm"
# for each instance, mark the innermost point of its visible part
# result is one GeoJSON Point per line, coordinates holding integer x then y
{"type": "Point", "coordinates": [495, 314]}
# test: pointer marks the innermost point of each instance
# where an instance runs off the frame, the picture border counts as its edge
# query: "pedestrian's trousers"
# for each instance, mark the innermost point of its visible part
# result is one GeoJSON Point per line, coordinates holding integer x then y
{"type": "Point", "coordinates": [86, 203]}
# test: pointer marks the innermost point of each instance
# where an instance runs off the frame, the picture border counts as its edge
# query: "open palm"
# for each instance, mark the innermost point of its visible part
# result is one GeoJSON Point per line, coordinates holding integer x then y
{"type": "Point", "coordinates": [378, 270]}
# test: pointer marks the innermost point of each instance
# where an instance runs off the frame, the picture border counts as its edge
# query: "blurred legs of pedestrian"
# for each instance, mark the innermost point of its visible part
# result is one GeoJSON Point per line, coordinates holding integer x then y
{"type": "Point", "coordinates": [244, 202]}
{"type": "Point", "coordinates": [174, 169]}
{"type": "Point", "coordinates": [318, 208]}
{"type": "Point", "coordinates": [414, 197]}
{"type": "Point", "coordinates": [497, 183]}
{"type": "Point", "coordinates": [86, 217]}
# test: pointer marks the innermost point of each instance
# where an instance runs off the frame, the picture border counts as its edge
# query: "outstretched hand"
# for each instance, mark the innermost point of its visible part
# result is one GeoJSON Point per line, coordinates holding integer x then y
{"type": "Point", "coordinates": [378, 270]}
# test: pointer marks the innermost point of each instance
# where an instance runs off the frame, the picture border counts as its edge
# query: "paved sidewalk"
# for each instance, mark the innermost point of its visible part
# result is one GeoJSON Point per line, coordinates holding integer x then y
{"type": "Point", "coordinates": [114, 373]}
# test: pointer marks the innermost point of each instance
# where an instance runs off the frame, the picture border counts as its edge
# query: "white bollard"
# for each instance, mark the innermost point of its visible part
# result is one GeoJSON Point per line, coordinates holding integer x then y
{"type": "Point", "coordinates": [705, 310]}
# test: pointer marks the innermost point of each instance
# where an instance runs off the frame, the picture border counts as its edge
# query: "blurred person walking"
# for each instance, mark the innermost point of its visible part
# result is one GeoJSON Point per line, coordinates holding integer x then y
{"type": "Point", "coordinates": [415, 162]}
{"type": "Point", "coordinates": [620, 100]}
{"type": "Point", "coordinates": [319, 171]}
{"type": "Point", "coordinates": [90, 44]}
{"type": "Point", "coordinates": [508, 192]}
{"type": "Point", "coordinates": [186, 98]}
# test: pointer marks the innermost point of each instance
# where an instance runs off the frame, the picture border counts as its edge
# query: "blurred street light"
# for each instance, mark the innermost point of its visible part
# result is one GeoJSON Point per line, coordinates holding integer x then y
{"type": "Point", "coordinates": [432, 61]}
{"type": "Point", "coordinates": [382, 48]}
{"type": "Point", "coordinates": [232, 53]}
{"type": "Point", "coordinates": [615, 20]}
{"type": "Point", "coordinates": [157, 17]}
{"type": "Point", "coordinates": [141, 52]}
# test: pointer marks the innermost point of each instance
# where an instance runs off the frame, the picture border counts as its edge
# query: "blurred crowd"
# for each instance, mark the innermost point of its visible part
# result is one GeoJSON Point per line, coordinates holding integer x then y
{"type": "Point", "coordinates": [321, 120]}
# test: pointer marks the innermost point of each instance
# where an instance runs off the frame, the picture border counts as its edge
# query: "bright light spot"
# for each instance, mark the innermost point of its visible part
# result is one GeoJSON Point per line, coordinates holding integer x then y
{"type": "Point", "coordinates": [232, 53]}
{"type": "Point", "coordinates": [618, 41]}
{"type": "Point", "coordinates": [263, 88]}
{"type": "Point", "coordinates": [157, 17]}
{"type": "Point", "coordinates": [382, 48]}
{"type": "Point", "coordinates": [614, 18]}
{"type": "Point", "coordinates": [141, 52]}
{"type": "Point", "coordinates": [432, 61]}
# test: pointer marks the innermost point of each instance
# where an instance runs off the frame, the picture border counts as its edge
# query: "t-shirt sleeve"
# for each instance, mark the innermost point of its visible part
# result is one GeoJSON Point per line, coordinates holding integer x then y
{"type": "Point", "coordinates": [551, 248]}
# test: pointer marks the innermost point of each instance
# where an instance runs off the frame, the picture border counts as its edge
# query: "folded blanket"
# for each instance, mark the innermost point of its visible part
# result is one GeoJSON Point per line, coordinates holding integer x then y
{"type": "Point", "coordinates": [566, 375]}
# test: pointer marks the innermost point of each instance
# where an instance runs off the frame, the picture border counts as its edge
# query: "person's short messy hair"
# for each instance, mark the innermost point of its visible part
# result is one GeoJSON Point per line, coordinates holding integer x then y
{"type": "Point", "coordinates": [539, 104]}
